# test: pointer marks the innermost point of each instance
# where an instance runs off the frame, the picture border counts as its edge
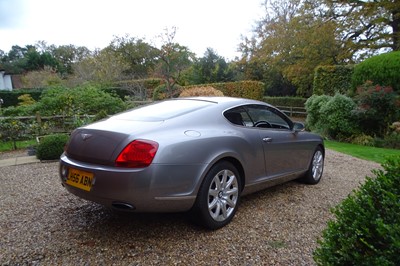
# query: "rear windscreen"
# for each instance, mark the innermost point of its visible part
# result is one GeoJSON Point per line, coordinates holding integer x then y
{"type": "Point", "coordinates": [163, 110]}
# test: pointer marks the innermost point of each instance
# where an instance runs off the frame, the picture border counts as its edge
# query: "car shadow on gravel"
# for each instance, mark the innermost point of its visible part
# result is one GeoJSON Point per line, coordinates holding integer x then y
{"type": "Point", "coordinates": [96, 219]}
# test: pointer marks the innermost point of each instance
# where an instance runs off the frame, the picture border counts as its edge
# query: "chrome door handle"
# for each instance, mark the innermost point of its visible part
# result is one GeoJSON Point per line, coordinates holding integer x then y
{"type": "Point", "coordinates": [267, 139]}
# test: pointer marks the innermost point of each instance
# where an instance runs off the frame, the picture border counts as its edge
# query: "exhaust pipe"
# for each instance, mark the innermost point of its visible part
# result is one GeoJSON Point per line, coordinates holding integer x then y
{"type": "Point", "coordinates": [123, 206]}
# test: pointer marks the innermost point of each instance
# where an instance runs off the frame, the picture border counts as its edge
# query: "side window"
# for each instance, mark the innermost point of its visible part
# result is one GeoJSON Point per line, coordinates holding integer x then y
{"type": "Point", "coordinates": [266, 117]}
{"type": "Point", "coordinates": [239, 116]}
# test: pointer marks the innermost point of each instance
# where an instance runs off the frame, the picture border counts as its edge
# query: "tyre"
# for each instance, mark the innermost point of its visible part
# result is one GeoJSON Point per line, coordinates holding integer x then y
{"type": "Point", "coordinates": [218, 197]}
{"type": "Point", "coordinates": [316, 168]}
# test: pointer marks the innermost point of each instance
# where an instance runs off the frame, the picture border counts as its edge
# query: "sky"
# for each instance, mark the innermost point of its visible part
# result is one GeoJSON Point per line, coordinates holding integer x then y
{"type": "Point", "coordinates": [200, 24]}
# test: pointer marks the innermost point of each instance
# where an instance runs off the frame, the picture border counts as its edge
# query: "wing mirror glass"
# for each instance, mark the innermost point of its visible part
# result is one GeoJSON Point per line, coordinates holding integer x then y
{"type": "Point", "coordinates": [298, 127]}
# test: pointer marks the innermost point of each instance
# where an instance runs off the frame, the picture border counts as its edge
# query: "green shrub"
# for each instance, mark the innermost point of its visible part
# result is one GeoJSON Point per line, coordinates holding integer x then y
{"type": "Point", "coordinates": [26, 100]}
{"type": "Point", "coordinates": [87, 99]}
{"type": "Point", "coordinates": [313, 107]}
{"type": "Point", "coordinates": [381, 69]}
{"type": "Point", "coordinates": [336, 120]}
{"type": "Point", "coordinates": [363, 139]}
{"type": "Point", "coordinates": [330, 80]}
{"type": "Point", "coordinates": [377, 108]}
{"type": "Point", "coordinates": [21, 110]}
{"type": "Point", "coordinates": [51, 147]}
{"type": "Point", "coordinates": [331, 116]}
{"type": "Point", "coordinates": [391, 140]}
{"type": "Point", "coordinates": [366, 229]}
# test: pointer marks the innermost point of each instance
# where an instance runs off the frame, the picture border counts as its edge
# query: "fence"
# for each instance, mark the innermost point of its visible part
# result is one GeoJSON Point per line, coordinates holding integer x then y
{"type": "Point", "coordinates": [293, 111]}
{"type": "Point", "coordinates": [40, 125]}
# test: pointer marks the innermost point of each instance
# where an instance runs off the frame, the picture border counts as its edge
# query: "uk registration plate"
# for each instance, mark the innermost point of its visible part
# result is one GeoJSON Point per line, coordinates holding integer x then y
{"type": "Point", "coordinates": [80, 179]}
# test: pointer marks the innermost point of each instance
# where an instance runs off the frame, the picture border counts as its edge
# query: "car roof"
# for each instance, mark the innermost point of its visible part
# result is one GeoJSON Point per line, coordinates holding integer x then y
{"type": "Point", "coordinates": [222, 100]}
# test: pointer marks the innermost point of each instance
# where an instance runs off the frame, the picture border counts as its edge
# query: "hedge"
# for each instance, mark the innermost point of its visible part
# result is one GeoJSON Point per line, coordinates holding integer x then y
{"type": "Point", "coordinates": [366, 228]}
{"type": "Point", "coordinates": [241, 89]}
{"type": "Point", "coordinates": [286, 101]}
{"type": "Point", "coordinates": [382, 70]}
{"type": "Point", "coordinates": [10, 98]}
{"type": "Point", "coordinates": [329, 80]}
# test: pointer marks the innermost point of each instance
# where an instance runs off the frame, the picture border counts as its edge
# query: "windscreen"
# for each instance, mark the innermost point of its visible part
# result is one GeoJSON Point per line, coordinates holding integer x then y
{"type": "Point", "coordinates": [163, 110]}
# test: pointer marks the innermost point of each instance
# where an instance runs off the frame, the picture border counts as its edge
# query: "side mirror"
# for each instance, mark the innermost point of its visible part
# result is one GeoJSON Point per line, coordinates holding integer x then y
{"type": "Point", "coordinates": [298, 127]}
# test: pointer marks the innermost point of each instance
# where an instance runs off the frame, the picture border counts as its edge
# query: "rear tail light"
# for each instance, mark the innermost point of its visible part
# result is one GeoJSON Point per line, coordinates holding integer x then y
{"type": "Point", "coordinates": [137, 154]}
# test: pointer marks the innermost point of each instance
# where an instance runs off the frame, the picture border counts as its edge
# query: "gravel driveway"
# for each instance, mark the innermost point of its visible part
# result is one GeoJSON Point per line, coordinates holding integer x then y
{"type": "Point", "coordinates": [42, 224]}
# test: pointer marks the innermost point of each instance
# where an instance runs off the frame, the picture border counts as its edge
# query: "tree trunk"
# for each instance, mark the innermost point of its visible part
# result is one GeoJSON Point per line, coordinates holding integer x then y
{"type": "Point", "coordinates": [396, 29]}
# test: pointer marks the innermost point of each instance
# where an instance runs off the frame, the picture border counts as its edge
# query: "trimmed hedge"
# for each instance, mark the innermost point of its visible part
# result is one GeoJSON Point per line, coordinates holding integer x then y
{"type": "Point", "coordinates": [241, 89]}
{"type": "Point", "coordinates": [329, 80]}
{"type": "Point", "coordinates": [51, 147]}
{"type": "Point", "coordinates": [10, 98]}
{"type": "Point", "coordinates": [366, 228]}
{"type": "Point", "coordinates": [286, 101]}
{"type": "Point", "coordinates": [382, 70]}
{"type": "Point", "coordinates": [161, 93]}
{"type": "Point", "coordinates": [201, 91]}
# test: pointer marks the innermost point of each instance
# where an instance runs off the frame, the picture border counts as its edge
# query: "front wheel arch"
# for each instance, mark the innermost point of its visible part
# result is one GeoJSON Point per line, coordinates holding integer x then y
{"type": "Point", "coordinates": [316, 167]}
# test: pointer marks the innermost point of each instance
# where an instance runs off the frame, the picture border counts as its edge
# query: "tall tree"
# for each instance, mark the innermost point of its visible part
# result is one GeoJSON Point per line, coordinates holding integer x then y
{"type": "Point", "coordinates": [173, 60]}
{"type": "Point", "coordinates": [36, 60]}
{"type": "Point", "coordinates": [13, 61]}
{"type": "Point", "coordinates": [40, 56]}
{"type": "Point", "coordinates": [210, 68]}
{"type": "Point", "coordinates": [67, 56]}
{"type": "Point", "coordinates": [139, 55]}
{"type": "Point", "coordinates": [367, 27]}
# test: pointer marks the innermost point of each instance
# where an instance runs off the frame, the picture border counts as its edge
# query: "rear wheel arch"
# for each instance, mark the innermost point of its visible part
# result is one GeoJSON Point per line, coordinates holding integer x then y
{"type": "Point", "coordinates": [238, 166]}
{"type": "Point", "coordinates": [219, 194]}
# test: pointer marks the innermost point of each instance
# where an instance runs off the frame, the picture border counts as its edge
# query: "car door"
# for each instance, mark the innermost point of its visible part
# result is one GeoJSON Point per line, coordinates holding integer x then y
{"type": "Point", "coordinates": [284, 151]}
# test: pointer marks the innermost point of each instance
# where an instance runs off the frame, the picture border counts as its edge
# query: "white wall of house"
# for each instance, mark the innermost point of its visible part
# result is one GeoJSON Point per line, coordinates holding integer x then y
{"type": "Point", "coordinates": [5, 81]}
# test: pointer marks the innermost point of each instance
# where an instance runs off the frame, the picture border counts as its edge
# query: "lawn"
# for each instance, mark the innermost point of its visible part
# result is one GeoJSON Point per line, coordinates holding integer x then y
{"type": "Point", "coordinates": [8, 145]}
{"type": "Point", "coordinates": [378, 155]}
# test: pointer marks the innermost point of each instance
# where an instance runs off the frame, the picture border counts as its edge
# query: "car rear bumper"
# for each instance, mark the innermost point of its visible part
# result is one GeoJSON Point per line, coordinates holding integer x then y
{"type": "Point", "coordinates": [157, 188]}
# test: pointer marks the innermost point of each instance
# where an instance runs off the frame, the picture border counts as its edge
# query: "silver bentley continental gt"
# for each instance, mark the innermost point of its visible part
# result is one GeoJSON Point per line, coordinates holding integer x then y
{"type": "Point", "coordinates": [189, 154]}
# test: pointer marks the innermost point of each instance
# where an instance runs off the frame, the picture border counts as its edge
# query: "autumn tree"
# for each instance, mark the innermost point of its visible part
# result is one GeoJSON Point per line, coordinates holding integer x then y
{"type": "Point", "coordinates": [103, 66]}
{"type": "Point", "coordinates": [289, 42]}
{"type": "Point", "coordinates": [44, 78]}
